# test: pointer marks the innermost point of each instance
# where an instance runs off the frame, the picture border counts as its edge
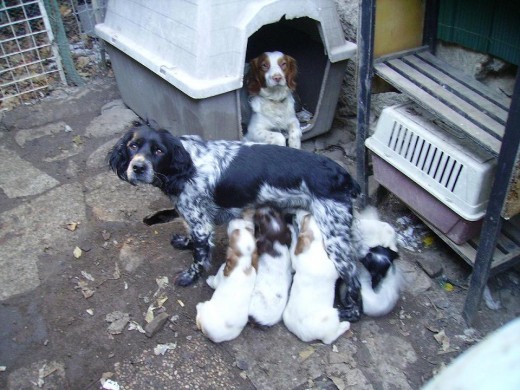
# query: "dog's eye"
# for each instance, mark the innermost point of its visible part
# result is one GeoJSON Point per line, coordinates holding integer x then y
{"type": "Point", "coordinates": [265, 66]}
{"type": "Point", "coordinates": [283, 65]}
{"type": "Point", "coordinates": [158, 152]}
{"type": "Point", "coordinates": [133, 146]}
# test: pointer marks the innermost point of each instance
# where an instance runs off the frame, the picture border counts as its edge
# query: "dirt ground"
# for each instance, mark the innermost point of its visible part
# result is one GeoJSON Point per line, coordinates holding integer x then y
{"type": "Point", "coordinates": [75, 249]}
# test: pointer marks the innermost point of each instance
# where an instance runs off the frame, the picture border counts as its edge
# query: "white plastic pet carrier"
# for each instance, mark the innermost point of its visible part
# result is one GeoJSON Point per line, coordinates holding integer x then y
{"type": "Point", "coordinates": [450, 168]}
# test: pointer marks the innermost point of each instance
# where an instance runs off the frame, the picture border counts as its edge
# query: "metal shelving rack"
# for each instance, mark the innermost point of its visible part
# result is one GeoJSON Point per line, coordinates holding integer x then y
{"type": "Point", "coordinates": [466, 106]}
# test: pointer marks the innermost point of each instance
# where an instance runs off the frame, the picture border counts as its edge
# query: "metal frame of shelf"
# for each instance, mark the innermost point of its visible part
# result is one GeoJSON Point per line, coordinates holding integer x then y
{"type": "Point", "coordinates": [462, 105]}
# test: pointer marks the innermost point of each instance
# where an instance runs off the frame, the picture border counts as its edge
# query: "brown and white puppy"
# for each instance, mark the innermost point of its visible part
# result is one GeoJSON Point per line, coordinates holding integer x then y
{"type": "Point", "coordinates": [309, 313]}
{"type": "Point", "coordinates": [274, 275]}
{"type": "Point", "coordinates": [271, 82]}
{"type": "Point", "coordinates": [223, 317]}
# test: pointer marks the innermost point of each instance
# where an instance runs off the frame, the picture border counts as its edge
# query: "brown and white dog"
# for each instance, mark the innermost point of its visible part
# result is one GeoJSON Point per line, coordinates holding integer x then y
{"type": "Point", "coordinates": [225, 315]}
{"type": "Point", "coordinates": [274, 274]}
{"type": "Point", "coordinates": [271, 82]}
{"type": "Point", "coordinates": [310, 312]}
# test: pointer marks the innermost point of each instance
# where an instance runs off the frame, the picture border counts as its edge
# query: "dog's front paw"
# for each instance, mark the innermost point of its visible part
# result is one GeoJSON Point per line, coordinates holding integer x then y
{"type": "Point", "coordinates": [185, 278]}
{"type": "Point", "coordinates": [276, 139]}
{"type": "Point", "coordinates": [211, 282]}
{"type": "Point", "coordinates": [181, 242]}
{"type": "Point", "coordinates": [295, 142]}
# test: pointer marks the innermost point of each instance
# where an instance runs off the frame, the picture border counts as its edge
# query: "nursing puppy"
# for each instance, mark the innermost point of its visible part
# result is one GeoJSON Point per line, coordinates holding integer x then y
{"type": "Point", "coordinates": [375, 244]}
{"type": "Point", "coordinates": [274, 276]}
{"type": "Point", "coordinates": [223, 317]}
{"type": "Point", "coordinates": [309, 313]}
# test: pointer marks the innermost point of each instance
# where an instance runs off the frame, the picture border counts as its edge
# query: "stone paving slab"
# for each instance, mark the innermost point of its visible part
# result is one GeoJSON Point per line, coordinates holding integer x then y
{"type": "Point", "coordinates": [33, 228]}
{"type": "Point", "coordinates": [20, 178]}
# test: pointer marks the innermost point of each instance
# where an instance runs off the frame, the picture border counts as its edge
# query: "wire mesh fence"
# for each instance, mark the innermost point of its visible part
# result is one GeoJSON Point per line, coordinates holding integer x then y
{"type": "Point", "coordinates": [30, 62]}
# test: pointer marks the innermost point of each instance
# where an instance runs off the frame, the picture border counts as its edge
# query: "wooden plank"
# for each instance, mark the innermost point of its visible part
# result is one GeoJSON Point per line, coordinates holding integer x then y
{"type": "Point", "coordinates": [404, 53]}
{"type": "Point", "coordinates": [433, 105]}
{"type": "Point", "coordinates": [506, 245]}
{"type": "Point", "coordinates": [499, 99]}
{"type": "Point", "coordinates": [458, 88]}
{"type": "Point", "coordinates": [459, 105]}
{"type": "Point", "coordinates": [468, 250]}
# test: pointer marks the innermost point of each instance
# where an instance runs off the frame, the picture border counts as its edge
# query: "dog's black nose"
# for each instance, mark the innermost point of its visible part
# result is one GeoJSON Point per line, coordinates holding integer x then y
{"type": "Point", "coordinates": [138, 168]}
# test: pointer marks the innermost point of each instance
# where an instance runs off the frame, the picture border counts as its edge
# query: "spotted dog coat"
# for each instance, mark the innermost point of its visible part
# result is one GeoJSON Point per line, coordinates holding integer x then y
{"type": "Point", "coordinates": [210, 182]}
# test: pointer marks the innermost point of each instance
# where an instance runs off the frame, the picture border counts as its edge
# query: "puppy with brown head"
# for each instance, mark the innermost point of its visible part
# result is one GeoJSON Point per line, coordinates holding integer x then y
{"type": "Point", "coordinates": [274, 276]}
{"type": "Point", "coordinates": [309, 313]}
{"type": "Point", "coordinates": [223, 317]}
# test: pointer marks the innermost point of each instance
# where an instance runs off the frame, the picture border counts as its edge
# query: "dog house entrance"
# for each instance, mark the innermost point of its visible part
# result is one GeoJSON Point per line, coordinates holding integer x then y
{"type": "Point", "coordinates": [299, 38]}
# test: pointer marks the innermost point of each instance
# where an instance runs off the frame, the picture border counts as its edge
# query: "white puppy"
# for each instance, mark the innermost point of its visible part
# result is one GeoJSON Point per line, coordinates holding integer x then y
{"type": "Point", "coordinates": [310, 314]}
{"type": "Point", "coordinates": [274, 276]}
{"type": "Point", "coordinates": [376, 248]}
{"type": "Point", "coordinates": [223, 317]}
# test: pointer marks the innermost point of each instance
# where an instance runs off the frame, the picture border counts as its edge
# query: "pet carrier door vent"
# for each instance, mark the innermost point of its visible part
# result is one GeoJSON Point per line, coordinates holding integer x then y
{"type": "Point", "coordinates": [450, 168]}
{"type": "Point", "coordinates": [436, 163]}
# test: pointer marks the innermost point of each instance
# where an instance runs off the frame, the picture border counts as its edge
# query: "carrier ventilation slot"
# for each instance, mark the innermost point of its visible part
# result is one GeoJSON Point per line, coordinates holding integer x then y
{"type": "Point", "coordinates": [431, 160]}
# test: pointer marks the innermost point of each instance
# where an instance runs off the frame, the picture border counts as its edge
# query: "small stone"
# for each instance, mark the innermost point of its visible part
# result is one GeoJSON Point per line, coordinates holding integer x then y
{"type": "Point", "coordinates": [118, 322]}
{"type": "Point", "coordinates": [243, 365]}
{"type": "Point", "coordinates": [432, 267]}
{"type": "Point", "coordinates": [156, 324]}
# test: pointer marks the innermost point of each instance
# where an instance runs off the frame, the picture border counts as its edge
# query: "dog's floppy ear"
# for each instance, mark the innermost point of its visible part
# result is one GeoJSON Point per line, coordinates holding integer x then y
{"type": "Point", "coordinates": [306, 236]}
{"type": "Point", "coordinates": [255, 75]}
{"type": "Point", "coordinates": [291, 72]}
{"type": "Point", "coordinates": [118, 157]}
{"type": "Point", "coordinates": [233, 253]}
{"type": "Point", "coordinates": [181, 166]}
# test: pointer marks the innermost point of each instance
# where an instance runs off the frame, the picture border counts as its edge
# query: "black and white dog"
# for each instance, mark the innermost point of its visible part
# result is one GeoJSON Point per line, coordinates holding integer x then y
{"type": "Point", "coordinates": [210, 182]}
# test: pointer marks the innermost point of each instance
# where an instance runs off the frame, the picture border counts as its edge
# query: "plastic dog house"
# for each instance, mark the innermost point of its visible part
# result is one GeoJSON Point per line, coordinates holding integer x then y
{"type": "Point", "coordinates": [181, 63]}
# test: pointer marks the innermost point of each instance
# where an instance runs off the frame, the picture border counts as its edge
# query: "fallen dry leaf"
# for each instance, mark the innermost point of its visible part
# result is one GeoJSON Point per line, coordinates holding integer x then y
{"type": "Point", "coordinates": [85, 289]}
{"type": "Point", "coordinates": [159, 302]}
{"type": "Point", "coordinates": [106, 235]}
{"type": "Point", "coordinates": [135, 326]}
{"type": "Point", "coordinates": [443, 340]}
{"type": "Point", "coordinates": [161, 349]}
{"type": "Point", "coordinates": [77, 252]}
{"type": "Point", "coordinates": [118, 321]}
{"type": "Point", "coordinates": [72, 226]}
{"type": "Point", "coordinates": [77, 140]}
{"type": "Point", "coordinates": [117, 272]}
{"type": "Point", "coordinates": [306, 353]}
{"type": "Point", "coordinates": [162, 282]}
{"type": "Point", "coordinates": [87, 276]}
